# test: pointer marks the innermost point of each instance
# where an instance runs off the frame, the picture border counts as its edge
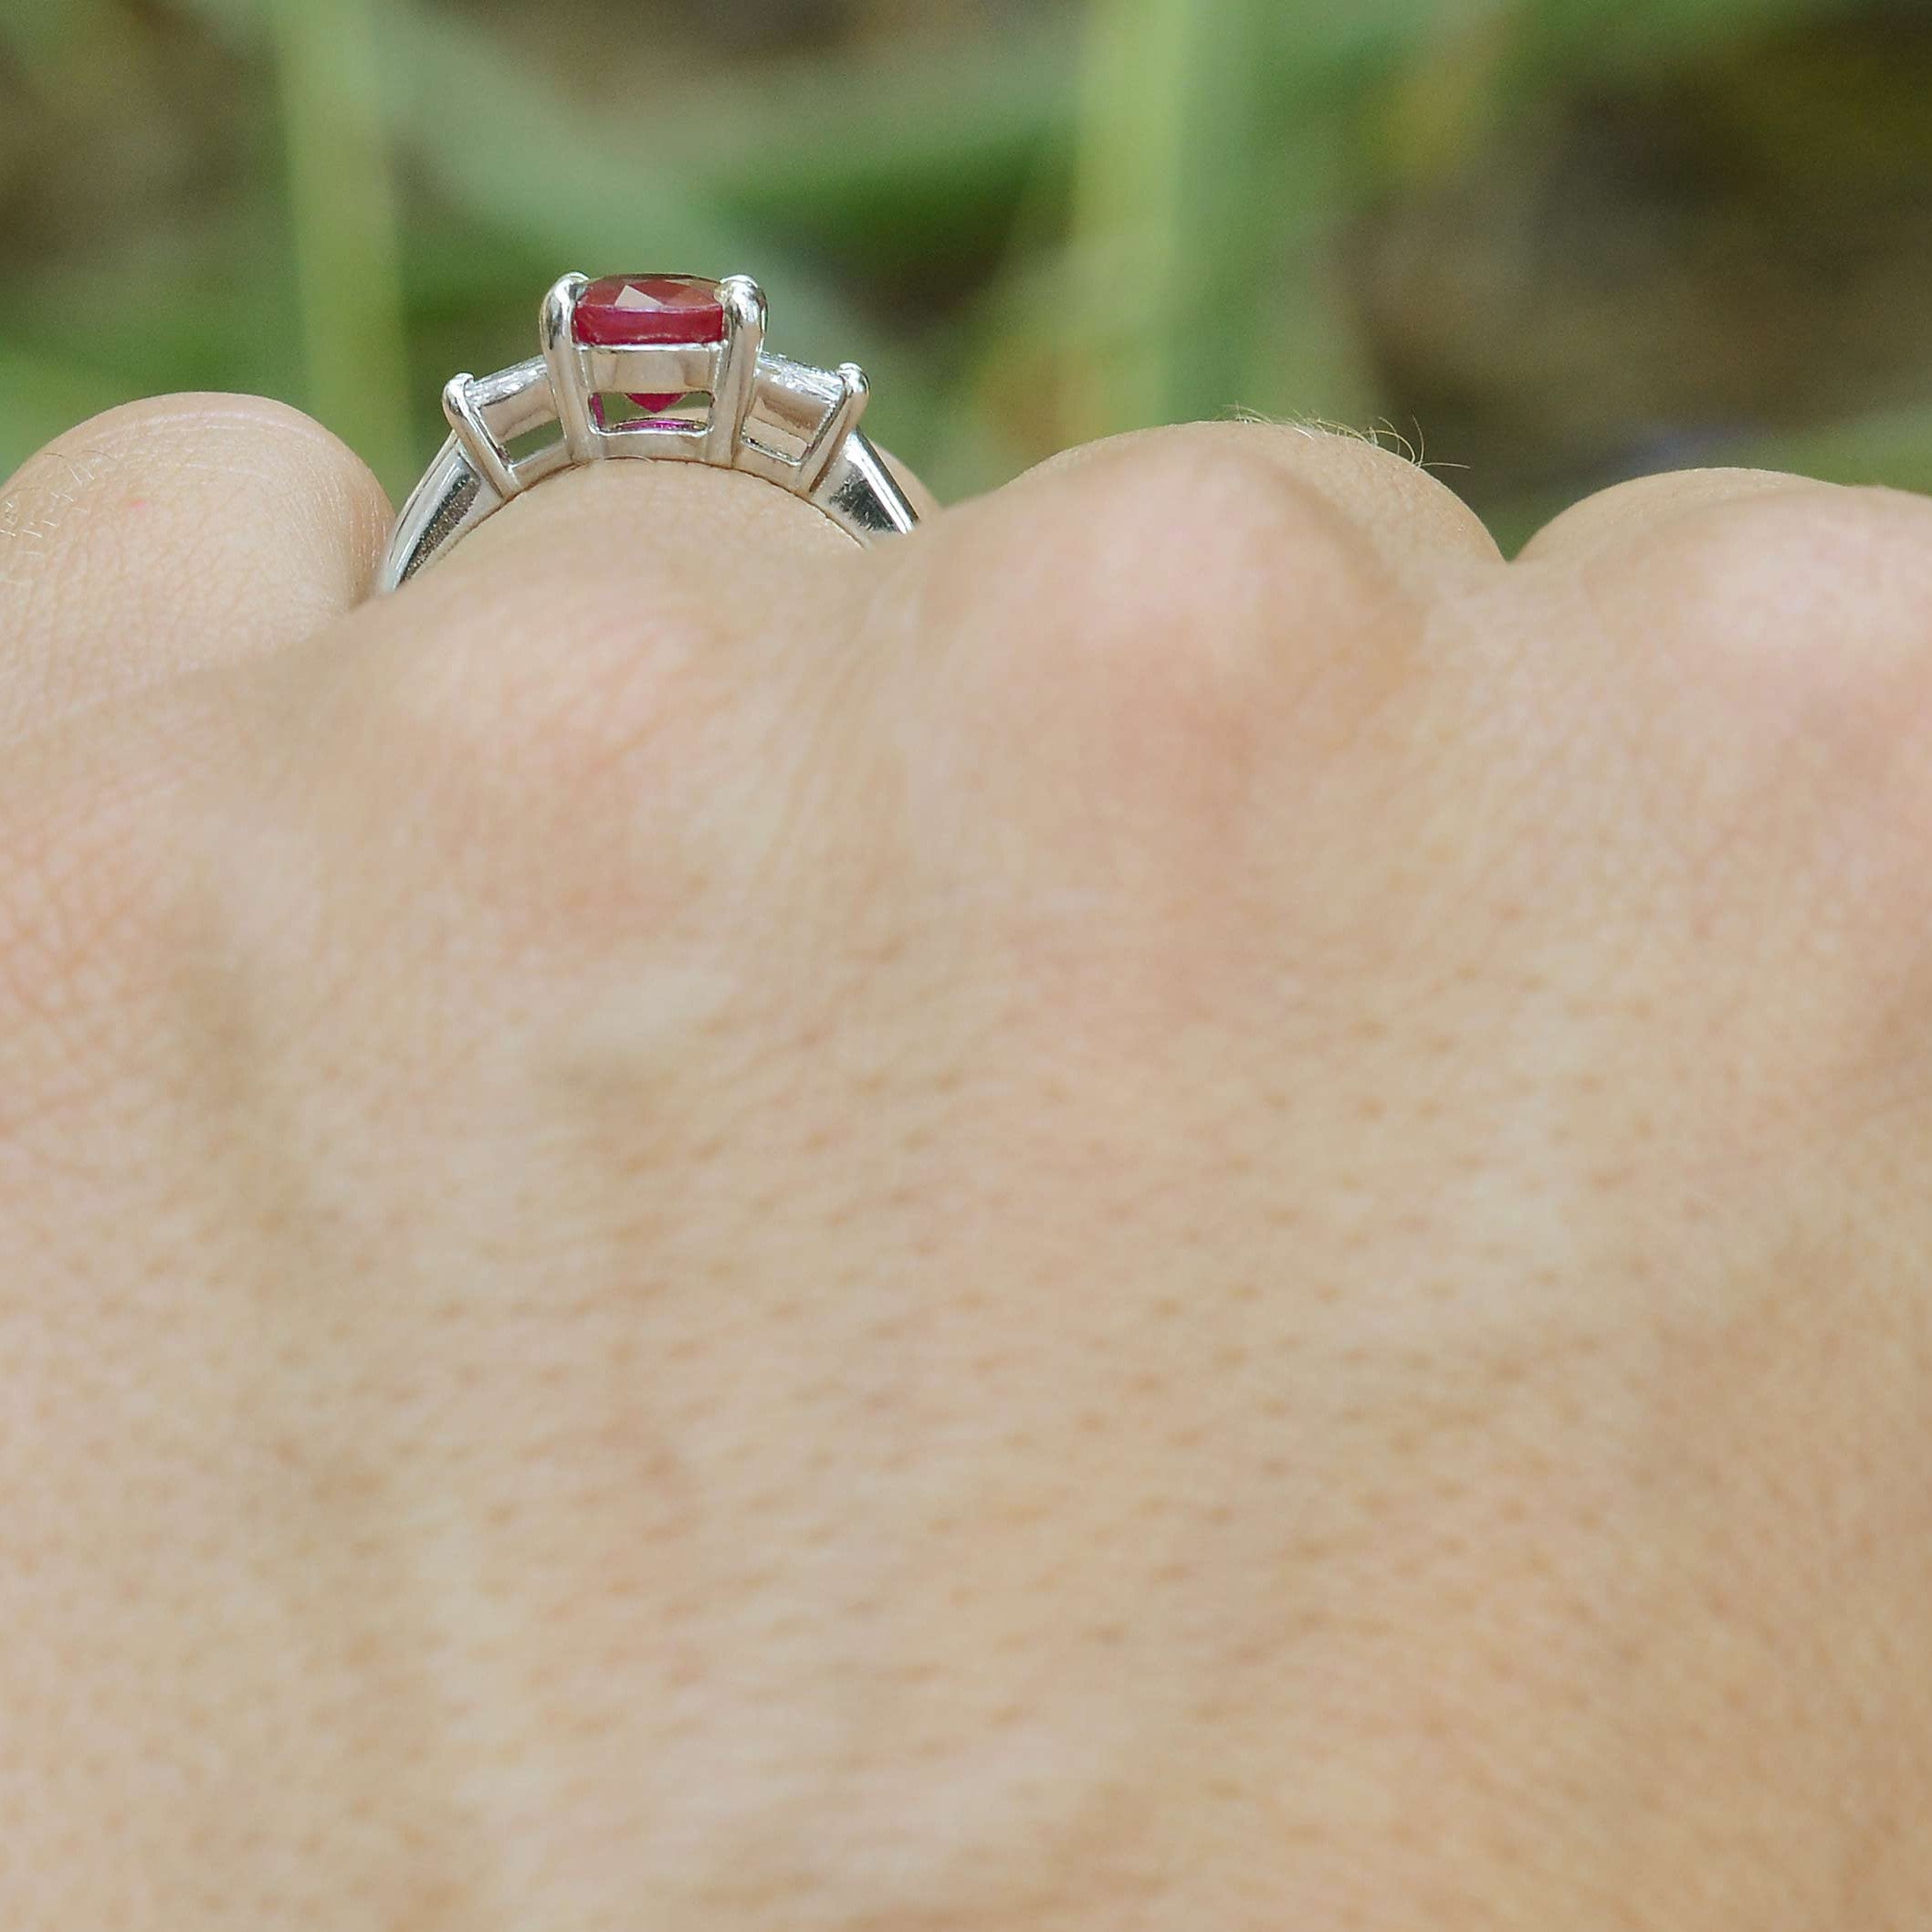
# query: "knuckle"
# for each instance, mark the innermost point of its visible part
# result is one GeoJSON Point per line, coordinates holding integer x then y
{"type": "Point", "coordinates": [1803, 616]}
{"type": "Point", "coordinates": [173, 431]}
{"type": "Point", "coordinates": [1375, 493]}
{"type": "Point", "coordinates": [1800, 620]}
{"type": "Point", "coordinates": [1142, 659]}
{"type": "Point", "coordinates": [1160, 601]}
{"type": "Point", "coordinates": [1626, 513]}
{"type": "Point", "coordinates": [1819, 604]}
{"type": "Point", "coordinates": [1212, 509]}
{"type": "Point", "coordinates": [196, 475]}
{"type": "Point", "coordinates": [1827, 582]}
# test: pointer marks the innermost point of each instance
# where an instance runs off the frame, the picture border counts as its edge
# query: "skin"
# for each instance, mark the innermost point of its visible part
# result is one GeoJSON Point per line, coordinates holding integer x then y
{"type": "Point", "coordinates": [1180, 1207]}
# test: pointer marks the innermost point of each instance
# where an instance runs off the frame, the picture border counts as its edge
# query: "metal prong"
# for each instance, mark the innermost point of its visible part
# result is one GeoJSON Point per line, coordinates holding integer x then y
{"type": "Point", "coordinates": [744, 341]}
{"type": "Point", "coordinates": [822, 451]}
{"type": "Point", "coordinates": [486, 455]}
{"type": "Point", "coordinates": [566, 368]}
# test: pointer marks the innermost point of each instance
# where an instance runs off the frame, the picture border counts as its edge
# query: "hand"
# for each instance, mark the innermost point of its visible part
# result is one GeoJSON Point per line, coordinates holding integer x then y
{"type": "Point", "coordinates": [1177, 1208]}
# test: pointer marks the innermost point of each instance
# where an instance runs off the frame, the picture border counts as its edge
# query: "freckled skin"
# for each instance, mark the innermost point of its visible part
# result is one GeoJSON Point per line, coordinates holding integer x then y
{"type": "Point", "coordinates": [701, 1230]}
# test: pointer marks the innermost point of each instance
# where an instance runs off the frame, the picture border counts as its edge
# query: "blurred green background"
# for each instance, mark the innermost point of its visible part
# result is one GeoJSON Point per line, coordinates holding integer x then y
{"type": "Point", "coordinates": [1543, 243]}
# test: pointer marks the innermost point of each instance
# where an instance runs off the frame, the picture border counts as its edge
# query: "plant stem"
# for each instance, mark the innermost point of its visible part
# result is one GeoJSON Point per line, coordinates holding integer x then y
{"type": "Point", "coordinates": [343, 215]}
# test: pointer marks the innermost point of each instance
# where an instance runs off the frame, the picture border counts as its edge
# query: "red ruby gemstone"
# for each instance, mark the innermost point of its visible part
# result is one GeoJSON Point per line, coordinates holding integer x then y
{"type": "Point", "coordinates": [627, 311]}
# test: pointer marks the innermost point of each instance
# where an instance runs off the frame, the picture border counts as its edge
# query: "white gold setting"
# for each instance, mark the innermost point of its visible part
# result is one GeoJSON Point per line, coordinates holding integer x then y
{"type": "Point", "coordinates": [793, 425]}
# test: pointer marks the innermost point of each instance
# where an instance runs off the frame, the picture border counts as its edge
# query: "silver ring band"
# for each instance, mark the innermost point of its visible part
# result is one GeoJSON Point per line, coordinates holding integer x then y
{"type": "Point", "coordinates": [793, 425]}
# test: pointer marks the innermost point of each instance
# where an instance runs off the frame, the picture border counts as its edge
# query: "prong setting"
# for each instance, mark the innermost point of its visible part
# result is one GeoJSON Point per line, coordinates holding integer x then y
{"type": "Point", "coordinates": [486, 455]}
{"type": "Point", "coordinates": [825, 448]}
{"type": "Point", "coordinates": [736, 385]}
{"type": "Point", "coordinates": [564, 360]}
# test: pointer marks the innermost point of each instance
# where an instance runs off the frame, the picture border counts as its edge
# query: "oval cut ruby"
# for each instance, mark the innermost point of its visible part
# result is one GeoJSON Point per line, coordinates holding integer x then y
{"type": "Point", "coordinates": [631, 311]}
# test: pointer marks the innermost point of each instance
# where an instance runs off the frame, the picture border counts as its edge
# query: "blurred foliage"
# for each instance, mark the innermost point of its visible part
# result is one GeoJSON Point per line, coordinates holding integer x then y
{"type": "Point", "coordinates": [1546, 242]}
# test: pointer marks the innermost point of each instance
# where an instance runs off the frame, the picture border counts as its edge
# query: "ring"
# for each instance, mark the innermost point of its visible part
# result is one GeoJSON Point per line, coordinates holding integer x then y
{"type": "Point", "coordinates": [623, 359]}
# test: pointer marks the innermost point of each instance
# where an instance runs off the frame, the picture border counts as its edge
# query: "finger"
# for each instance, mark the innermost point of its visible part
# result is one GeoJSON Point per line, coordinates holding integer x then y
{"type": "Point", "coordinates": [170, 535]}
{"type": "Point", "coordinates": [631, 533]}
{"type": "Point", "coordinates": [605, 598]}
{"type": "Point", "coordinates": [1632, 511]}
{"type": "Point", "coordinates": [668, 578]}
{"type": "Point", "coordinates": [657, 525]}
